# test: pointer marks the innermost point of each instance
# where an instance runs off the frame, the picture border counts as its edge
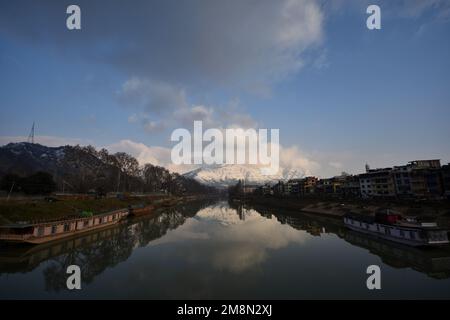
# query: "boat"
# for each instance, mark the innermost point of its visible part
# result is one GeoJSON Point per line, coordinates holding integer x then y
{"type": "Point", "coordinates": [393, 228]}
{"type": "Point", "coordinates": [49, 230]}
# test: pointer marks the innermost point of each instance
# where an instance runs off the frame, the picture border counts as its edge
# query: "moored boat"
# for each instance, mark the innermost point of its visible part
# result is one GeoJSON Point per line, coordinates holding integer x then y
{"type": "Point", "coordinates": [392, 227]}
{"type": "Point", "coordinates": [45, 231]}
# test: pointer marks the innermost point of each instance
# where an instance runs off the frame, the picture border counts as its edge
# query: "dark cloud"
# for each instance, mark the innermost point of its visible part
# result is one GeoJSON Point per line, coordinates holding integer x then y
{"type": "Point", "coordinates": [226, 42]}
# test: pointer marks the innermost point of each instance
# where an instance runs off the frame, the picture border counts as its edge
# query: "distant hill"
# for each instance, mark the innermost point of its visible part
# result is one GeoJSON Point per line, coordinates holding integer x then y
{"type": "Point", "coordinates": [79, 169]}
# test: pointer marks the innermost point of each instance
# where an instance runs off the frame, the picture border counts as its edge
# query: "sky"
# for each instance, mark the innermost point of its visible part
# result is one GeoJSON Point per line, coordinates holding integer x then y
{"type": "Point", "coordinates": [340, 94]}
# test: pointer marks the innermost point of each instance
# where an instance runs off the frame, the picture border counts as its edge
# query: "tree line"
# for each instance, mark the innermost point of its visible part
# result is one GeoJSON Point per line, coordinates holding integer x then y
{"type": "Point", "coordinates": [84, 169]}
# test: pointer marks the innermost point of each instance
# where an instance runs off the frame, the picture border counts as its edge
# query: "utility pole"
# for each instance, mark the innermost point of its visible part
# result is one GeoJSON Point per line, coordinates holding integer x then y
{"type": "Point", "coordinates": [118, 182]}
{"type": "Point", "coordinates": [12, 187]}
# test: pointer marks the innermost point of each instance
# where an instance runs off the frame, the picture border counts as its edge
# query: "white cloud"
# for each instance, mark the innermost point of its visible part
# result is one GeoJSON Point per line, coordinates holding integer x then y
{"type": "Point", "coordinates": [152, 96]}
{"type": "Point", "coordinates": [335, 164]}
{"type": "Point", "coordinates": [143, 153]}
{"type": "Point", "coordinates": [293, 158]}
{"type": "Point", "coordinates": [163, 106]}
{"type": "Point", "coordinates": [155, 155]}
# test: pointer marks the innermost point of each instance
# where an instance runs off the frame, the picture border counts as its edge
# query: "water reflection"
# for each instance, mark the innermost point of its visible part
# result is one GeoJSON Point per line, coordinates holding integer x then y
{"type": "Point", "coordinates": [435, 262]}
{"type": "Point", "coordinates": [213, 247]}
{"type": "Point", "coordinates": [94, 251]}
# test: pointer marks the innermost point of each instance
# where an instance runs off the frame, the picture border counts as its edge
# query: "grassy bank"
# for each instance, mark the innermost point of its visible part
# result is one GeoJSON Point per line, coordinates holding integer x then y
{"type": "Point", "coordinates": [37, 209]}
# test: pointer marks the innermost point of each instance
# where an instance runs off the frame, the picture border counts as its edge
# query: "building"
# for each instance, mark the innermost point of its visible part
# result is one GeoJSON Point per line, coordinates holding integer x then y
{"type": "Point", "coordinates": [266, 189]}
{"type": "Point", "coordinates": [445, 173]}
{"type": "Point", "coordinates": [377, 183]}
{"type": "Point", "coordinates": [328, 186]}
{"type": "Point", "coordinates": [419, 179]}
{"type": "Point", "coordinates": [248, 188]}
{"type": "Point", "coordinates": [279, 188]}
{"type": "Point", "coordinates": [350, 187]}
{"type": "Point", "coordinates": [293, 187]}
{"type": "Point", "coordinates": [308, 185]}
{"type": "Point", "coordinates": [402, 176]}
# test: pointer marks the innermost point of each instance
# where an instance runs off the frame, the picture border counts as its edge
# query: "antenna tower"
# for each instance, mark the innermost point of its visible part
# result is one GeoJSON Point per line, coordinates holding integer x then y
{"type": "Point", "coordinates": [31, 135]}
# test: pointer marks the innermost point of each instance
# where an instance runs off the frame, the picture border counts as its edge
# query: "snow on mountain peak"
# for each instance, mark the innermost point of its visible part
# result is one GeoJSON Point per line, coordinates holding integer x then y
{"type": "Point", "coordinates": [226, 175]}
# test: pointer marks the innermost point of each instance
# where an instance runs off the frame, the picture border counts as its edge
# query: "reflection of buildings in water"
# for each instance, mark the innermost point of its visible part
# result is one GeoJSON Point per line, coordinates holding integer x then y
{"type": "Point", "coordinates": [435, 262]}
{"type": "Point", "coordinates": [298, 223]}
{"type": "Point", "coordinates": [94, 251]}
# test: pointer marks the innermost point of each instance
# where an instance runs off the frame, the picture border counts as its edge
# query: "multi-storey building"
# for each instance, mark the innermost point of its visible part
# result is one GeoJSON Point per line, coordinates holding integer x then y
{"type": "Point", "coordinates": [308, 185]}
{"type": "Point", "coordinates": [445, 172]}
{"type": "Point", "coordinates": [350, 186]}
{"type": "Point", "coordinates": [419, 178]}
{"type": "Point", "coordinates": [279, 188]}
{"type": "Point", "coordinates": [293, 187]}
{"type": "Point", "coordinates": [402, 176]}
{"type": "Point", "coordinates": [377, 183]}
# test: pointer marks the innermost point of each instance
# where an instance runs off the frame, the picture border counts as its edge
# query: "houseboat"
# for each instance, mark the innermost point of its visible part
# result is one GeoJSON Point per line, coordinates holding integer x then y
{"type": "Point", "coordinates": [45, 231]}
{"type": "Point", "coordinates": [392, 227]}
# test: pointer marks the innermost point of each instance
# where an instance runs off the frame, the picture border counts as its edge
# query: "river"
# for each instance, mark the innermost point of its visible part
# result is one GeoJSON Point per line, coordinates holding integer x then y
{"type": "Point", "coordinates": [214, 250]}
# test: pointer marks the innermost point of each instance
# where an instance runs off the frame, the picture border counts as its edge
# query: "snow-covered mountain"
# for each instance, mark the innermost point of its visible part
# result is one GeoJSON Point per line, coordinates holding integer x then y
{"type": "Point", "coordinates": [226, 175]}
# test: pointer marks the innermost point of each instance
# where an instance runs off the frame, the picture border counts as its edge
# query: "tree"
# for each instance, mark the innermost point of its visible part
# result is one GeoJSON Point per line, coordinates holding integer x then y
{"type": "Point", "coordinates": [10, 182]}
{"type": "Point", "coordinates": [38, 183]}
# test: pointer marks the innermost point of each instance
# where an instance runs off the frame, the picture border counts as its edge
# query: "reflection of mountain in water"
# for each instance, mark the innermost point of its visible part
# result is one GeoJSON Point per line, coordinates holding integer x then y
{"type": "Point", "coordinates": [313, 226]}
{"type": "Point", "coordinates": [435, 262]}
{"type": "Point", "coordinates": [101, 249]}
{"type": "Point", "coordinates": [96, 251]}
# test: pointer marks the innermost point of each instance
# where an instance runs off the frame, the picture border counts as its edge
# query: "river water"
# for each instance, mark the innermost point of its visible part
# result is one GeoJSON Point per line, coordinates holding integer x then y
{"type": "Point", "coordinates": [209, 250]}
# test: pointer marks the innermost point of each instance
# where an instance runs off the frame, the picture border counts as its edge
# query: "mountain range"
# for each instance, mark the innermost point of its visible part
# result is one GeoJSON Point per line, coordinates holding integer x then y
{"type": "Point", "coordinates": [221, 176]}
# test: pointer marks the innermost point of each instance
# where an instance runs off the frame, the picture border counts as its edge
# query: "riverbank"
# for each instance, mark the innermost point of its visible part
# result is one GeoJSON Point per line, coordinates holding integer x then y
{"type": "Point", "coordinates": [338, 207]}
{"type": "Point", "coordinates": [32, 209]}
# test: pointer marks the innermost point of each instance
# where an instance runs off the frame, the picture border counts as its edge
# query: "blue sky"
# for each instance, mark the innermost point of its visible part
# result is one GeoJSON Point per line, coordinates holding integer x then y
{"type": "Point", "coordinates": [341, 95]}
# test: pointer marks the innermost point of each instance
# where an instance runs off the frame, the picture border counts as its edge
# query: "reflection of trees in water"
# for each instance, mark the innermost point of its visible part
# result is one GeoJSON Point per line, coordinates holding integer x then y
{"type": "Point", "coordinates": [435, 262]}
{"type": "Point", "coordinates": [92, 259]}
{"type": "Point", "coordinates": [95, 258]}
{"type": "Point", "coordinates": [95, 252]}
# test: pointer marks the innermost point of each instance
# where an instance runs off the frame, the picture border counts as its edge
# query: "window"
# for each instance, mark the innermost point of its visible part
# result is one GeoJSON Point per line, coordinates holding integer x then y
{"type": "Point", "coordinates": [85, 223]}
{"type": "Point", "coordinates": [40, 231]}
{"type": "Point", "coordinates": [53, 229]}
{"type": "Point", "coordinates": [66, 227]}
